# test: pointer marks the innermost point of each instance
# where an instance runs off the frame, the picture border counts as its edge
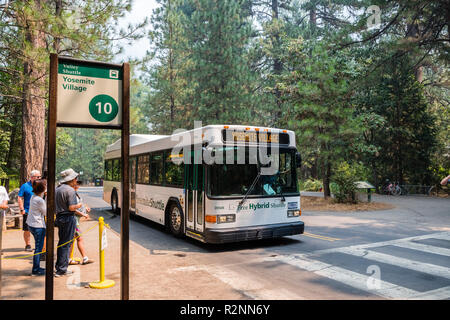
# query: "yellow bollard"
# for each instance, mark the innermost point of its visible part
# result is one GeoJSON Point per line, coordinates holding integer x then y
{"type": "Point", "coordinates": [74, 260]}
{"type": "Point", "coordinates": [102, 283]}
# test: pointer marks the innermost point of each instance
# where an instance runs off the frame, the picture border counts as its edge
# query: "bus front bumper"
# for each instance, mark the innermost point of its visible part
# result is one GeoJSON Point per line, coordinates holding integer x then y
{"type": "Point", "coordinates": [253, 233]}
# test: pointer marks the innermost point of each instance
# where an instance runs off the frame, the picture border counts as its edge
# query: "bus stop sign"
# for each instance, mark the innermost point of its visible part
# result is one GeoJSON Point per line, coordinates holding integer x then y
{"type": "Point", "coordinates": [89, 94]}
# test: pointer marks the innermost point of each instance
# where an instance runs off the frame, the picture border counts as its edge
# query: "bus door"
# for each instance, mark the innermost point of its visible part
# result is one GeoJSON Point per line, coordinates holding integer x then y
{"type": "Point", "coordinates": [132, 174]}
{"type": "Point", "coordinates": [194, 188]}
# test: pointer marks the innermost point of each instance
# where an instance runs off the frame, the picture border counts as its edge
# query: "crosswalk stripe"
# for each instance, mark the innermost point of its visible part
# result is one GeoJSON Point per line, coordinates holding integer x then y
{"type": "Point", "coordinates": [365, 283]}
{"type": "Point", "coordinates": [400, 262]}
{"type": "Point", "coordinates": [369, 283]}
{"type": "Point", "coordinates": [424, 248]}
{"type": "Point", "coordinates": [249, 287]}
{"type": "Point", "coordinates": [441, 235]}
{"type": "Point", "coordinates": [353, 279]}
{"type": "Point", "coordinates": [438, 294]}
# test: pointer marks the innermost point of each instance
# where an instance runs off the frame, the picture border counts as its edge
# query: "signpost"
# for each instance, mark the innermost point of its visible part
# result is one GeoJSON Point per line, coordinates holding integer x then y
{"type": "Point", "coordinates": [88, 94]}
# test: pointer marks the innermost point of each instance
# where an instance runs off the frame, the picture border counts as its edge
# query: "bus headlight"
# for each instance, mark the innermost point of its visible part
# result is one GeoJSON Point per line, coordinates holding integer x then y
{"type": "Point", "coordinates": [226, 218]}
{"type": "Point", "coordinates": [294, 213]}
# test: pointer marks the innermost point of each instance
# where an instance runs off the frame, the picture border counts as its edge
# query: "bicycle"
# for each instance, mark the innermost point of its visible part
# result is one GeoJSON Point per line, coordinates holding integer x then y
{"type": "Point", "coordinates": [393, 189]}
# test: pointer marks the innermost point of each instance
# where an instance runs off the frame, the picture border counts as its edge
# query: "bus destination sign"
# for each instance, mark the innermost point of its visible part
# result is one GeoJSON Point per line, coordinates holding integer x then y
{"type": "Point", "coordinates": [255, 137]}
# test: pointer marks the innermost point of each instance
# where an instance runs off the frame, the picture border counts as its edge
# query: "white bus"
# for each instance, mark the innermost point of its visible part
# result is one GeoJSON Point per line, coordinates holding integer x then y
{"type": "Point", "coordinates": [208, 183]}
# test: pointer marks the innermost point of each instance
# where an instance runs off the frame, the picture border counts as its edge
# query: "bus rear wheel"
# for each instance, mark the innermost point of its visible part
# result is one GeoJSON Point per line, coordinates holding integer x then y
{"type": "Point", "coordinates": [176, 220]}
{"type": "Point", "coordinates": [115, 203]}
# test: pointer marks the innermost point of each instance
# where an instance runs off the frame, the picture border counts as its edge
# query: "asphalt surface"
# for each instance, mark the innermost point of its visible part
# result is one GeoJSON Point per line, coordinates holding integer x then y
{"type": "Point", "coordinates": [401, 253]}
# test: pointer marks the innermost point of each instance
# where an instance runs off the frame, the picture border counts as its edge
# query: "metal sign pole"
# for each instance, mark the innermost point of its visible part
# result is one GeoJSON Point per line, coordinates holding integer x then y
{"type": "Point", "coordinates": [125, 216]}
{"type": "Point", "coordinates": [51, 132]}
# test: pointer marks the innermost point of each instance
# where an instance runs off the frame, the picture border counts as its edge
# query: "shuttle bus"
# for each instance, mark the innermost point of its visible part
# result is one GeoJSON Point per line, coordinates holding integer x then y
{"type": "Point", "coordinates": [216, 184]}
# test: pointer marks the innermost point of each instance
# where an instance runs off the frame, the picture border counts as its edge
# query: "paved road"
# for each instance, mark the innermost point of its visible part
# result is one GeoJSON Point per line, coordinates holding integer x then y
{"type": "Point", "coordinates": [402, 253]}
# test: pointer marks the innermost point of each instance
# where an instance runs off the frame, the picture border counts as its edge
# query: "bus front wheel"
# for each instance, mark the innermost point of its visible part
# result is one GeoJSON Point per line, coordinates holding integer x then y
{"type": "Point", "coordinates": [176, 220]}
{"type": "Point", "coordinates": [115, 202]}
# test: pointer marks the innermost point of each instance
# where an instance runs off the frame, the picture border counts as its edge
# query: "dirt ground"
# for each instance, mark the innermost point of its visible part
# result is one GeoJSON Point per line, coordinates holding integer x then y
{"type": "Point", "coordinates": [321, 204]}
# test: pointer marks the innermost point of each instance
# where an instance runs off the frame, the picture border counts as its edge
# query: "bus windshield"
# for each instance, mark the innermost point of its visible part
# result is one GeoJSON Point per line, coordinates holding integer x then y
{"type": "Point", "coordinates": [235, 179]}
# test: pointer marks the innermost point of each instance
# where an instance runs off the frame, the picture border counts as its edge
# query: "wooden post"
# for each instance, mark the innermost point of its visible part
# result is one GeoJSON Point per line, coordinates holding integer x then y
{"type": "Point", "coordinates": [125, 212]}
{"type": "Point", "coordinates": [51, 132]}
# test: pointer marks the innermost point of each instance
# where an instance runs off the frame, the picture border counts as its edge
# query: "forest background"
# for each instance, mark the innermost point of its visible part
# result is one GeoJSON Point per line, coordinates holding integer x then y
{"type": "Point", "coordinates": [363, 83]}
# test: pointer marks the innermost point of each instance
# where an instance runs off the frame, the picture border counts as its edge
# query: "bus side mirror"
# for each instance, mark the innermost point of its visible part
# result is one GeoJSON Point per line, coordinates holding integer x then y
{"type": "Point", "coordinates": [298, 159]}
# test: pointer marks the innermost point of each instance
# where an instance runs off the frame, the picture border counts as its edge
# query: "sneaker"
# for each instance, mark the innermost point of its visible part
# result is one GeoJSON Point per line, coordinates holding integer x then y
{"type": "Point", "coordinates": [41, 272]}
{"type": "Point", "coordinates": [87, 261]}
{"type": "Point", "coordinates": [28, 248]}
{"type": "Point", "coordinates": [60, 274]}
{"type": "Point", "coordinates": [72, 262]}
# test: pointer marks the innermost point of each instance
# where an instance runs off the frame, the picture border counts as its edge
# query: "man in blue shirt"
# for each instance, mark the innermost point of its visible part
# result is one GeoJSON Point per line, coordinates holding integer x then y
{"type": "Point", "coordinates": [24, 196]}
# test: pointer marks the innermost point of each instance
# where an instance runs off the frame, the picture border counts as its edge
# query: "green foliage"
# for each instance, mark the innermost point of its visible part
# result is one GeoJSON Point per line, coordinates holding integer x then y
{"type": "Point", "coordinates": [82, 150]}
{"type": "Point", "coordinates": [319, 95]}
{"type": "Point", "coordinates": [14, 181]}
{"type": "Point", "coordinates": [2, 173]}
{"type": "Point", "coordinates": [30, 31]}
{"type": "Point", "coordinates": [375, 98]}
{"type": "Point", "coordinates": [406, 129]}
{"type": "Point", "coordinates": [217, 34]}
{"type": "Point", "coordinates": [344, 177]}
{"type": "Point", "coordinates": [166, 88]}
{"type": "Point", "coordinates": [312, 185]}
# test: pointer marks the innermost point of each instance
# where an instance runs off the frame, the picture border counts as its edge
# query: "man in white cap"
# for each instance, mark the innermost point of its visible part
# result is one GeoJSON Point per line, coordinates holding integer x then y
{"type": "Point", "coordinates": [66, 203]}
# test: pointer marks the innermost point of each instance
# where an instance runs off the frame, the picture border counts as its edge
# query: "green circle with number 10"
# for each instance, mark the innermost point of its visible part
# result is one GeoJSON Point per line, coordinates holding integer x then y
{"type": "Point", "coordinates": [103, 108]}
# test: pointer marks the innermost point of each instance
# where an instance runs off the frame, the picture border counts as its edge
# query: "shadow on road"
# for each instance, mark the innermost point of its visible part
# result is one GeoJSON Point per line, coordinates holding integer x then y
{"type": "Point", "coordinates": [154, 237]}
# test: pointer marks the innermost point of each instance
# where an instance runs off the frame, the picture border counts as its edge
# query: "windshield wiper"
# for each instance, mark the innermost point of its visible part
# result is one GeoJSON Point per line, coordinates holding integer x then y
{"type": "Point", "coordinates": [282, 195]}
{"type": "Point", "coordinates": [249, 191]}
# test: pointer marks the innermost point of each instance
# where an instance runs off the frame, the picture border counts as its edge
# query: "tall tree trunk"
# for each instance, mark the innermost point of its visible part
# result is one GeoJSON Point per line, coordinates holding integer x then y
{"type": "Point", "coordinates": [277, 63]}
{"type": "Point", "coordinates": [14, 133]}
{"type": "Point", "coordinates": [375, 176]}
{"type": "Point", "coordinates": [413, 34]}
{"type": "Point", "coordinates": [326, 179]}
{"type": "Point", "coordinates": [171, 71]}
{"type": "Point", "coordinates": [56, 46]}
{"type": "Point", "coordinates": [313, 18]}
{"type": "Point", "coordinates": [33, 105]}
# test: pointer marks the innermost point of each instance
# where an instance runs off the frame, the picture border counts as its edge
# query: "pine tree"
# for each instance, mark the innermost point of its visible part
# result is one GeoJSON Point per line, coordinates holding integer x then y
{"type": "Point", "coordinates": [218, 75]}
{"type": "Point", "coordinates": [408, 136]}
{"type": "Point", "coordinates": [33, 29]}
{"type": "Point", "coordinates": [164, 67]}
{"type": "Point", "coordinates": [319, 94]}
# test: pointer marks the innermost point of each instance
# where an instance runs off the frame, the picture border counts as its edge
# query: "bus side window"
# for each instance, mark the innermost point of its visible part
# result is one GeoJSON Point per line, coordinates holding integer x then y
{"type": "Point", "coordinates": [120, 170]}
{"type": "Point", "coordinates": [174, 170]}
{"type": "Point", "coordinates": [143, 169]}
{"type": "Point", "coordinates": [116, 170]}
{"type": "Point", "coordinates": [156, 167]}
{"type": "Point", "coordinates": [108, 170]}
{"type": "Point", "coordinates": [132, 172]}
